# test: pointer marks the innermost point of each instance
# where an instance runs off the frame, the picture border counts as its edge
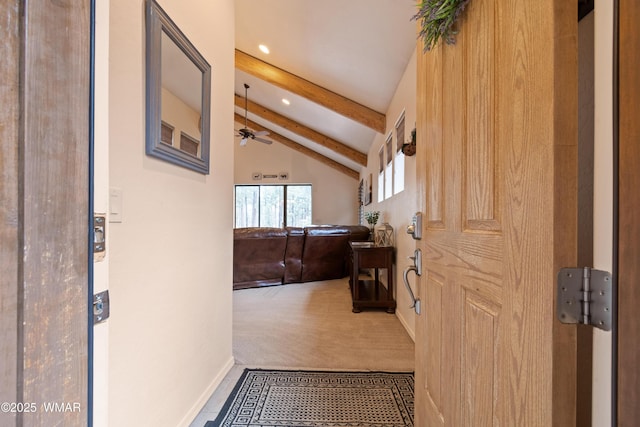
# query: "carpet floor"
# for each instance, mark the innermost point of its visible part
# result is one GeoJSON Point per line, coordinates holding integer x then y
{"type": "Point", "coordinates": [311, 326]}
{"type": "Point", "coordinates": [318, 398]}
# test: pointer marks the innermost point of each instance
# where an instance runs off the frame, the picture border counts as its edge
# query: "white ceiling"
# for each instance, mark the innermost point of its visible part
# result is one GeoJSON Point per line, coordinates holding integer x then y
{"type": "Point", "coordinates": [356, 48]}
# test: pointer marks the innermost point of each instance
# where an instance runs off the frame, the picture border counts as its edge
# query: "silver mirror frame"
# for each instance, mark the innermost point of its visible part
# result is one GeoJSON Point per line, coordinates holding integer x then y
{"type": "Point", "coordinates": [157, 22]}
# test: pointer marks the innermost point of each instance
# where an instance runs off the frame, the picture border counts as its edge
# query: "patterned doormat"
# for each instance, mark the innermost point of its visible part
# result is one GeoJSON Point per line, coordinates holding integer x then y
{"type": "Point", "coordinates": [318, 398]}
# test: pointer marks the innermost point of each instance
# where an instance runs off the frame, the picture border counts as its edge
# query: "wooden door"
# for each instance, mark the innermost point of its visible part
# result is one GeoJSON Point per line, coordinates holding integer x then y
{"type": "Point", "coordinates": [497, 166]}
{"type": "Point", "coordinates": [628, 335]}
{"type": "Point", "coordinates": [44, 215]}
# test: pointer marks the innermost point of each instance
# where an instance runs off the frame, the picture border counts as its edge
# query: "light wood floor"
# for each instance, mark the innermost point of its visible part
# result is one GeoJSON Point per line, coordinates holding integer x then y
{"type": "Point", "coordinates": [309, 326]}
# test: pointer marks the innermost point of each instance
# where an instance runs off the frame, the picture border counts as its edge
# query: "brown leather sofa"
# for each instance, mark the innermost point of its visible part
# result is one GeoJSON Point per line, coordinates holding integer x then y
{"type": "Point", "coordinates": [272, 256]}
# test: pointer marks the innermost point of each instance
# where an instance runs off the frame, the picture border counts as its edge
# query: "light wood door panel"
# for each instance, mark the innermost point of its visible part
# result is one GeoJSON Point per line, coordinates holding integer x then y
{"type": "Point", "coordinates": [479, 351]}
{"type": "Point", "coordinates": [496, 166]}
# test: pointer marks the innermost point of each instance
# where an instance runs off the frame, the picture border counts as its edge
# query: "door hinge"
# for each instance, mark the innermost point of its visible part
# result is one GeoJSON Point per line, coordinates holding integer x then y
{"type": "Point", "coordinates": [585, 297]}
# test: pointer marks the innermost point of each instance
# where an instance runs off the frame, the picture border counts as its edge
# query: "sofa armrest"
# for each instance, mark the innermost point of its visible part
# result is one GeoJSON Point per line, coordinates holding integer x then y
{"type": "Point", "coordinates": [258, 256]}
{"type": "Point", "coordinates": [358, 232]}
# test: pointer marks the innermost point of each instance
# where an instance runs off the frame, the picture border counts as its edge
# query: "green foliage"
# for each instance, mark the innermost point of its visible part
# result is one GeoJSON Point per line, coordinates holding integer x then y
{"type": "Point", "coordinates": [372, 217]}
{"type": "Point", "coordinates": [436, 19]}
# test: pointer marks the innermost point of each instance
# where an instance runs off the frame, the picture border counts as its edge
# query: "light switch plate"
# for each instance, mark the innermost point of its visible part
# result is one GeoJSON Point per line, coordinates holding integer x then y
{"type": "Point", "coordinates": [115, 204]}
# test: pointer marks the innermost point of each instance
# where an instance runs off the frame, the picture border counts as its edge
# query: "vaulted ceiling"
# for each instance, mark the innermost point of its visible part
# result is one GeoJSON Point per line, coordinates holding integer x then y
{"type": "Point", "coordinates": [338, 62]}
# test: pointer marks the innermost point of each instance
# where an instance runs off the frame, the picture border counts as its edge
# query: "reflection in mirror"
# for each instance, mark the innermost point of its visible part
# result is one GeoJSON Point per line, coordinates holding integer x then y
{"type": "Point", "coordinates": [178, 95]}
{"type": "Point", "coordinates": [181, 104]}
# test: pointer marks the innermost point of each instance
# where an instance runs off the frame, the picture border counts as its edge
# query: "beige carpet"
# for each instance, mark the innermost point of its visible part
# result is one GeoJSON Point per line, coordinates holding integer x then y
{"type": "Point", "coordinates": [309, 326]}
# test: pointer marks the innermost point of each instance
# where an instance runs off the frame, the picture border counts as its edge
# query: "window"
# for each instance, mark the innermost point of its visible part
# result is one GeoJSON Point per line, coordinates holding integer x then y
{"type": "Point", "coordinates": [272, 205]}
{"type": "Point", "coordinates": [298, 205]}
{"type": "Point", "coordinates": [166, 133]}
{"type": "Point", "coordinates": [189, 144]}
{"type": "Point", "coordinates": [388, 184]}
{"type": "Point", "coordinates": [398, 168]}
{"type": "Point", "coordinates": [361, 202]}
{"type": "Point", "coordinates": [381, 175]}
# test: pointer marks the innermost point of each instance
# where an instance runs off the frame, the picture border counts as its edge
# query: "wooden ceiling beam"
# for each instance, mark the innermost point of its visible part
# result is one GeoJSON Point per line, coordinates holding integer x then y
{"type": "Point", "coordinates": [301, 148]}
{"type": "Point", "coordinates": [331, 100]}
{"type": "Point", "coordinates": [304, 131]}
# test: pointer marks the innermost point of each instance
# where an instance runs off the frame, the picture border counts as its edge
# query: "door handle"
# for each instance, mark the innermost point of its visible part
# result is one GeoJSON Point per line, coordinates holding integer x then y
{"type": "Point", "coordinates": [417, 269]}
{"type": "Point", "coordinates": [417, 261]}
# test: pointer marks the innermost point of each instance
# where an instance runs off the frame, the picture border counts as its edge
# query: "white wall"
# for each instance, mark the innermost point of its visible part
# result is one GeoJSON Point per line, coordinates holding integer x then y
{"type": "Point", "coordinates": [170, 257]}
{"type": "Point", "coordinates": [399, 209]}
{"type": "Point", "coordinates": [334, 194]}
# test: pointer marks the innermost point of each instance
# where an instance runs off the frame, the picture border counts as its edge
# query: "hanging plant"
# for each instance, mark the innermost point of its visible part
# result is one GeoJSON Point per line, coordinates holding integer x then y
{"type": "Point", "coordinates": [436, 19]}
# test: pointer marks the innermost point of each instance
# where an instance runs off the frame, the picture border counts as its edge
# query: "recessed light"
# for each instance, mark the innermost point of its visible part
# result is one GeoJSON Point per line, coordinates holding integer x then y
{"type": "Point", "coordinates": [264, 49]}
{"type": "Point", "coordinates": [285, 101]}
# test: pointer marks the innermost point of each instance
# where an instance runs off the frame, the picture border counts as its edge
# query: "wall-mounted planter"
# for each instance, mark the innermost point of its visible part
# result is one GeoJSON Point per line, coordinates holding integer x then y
{"type": "Point", "coordinates": [409, 149]}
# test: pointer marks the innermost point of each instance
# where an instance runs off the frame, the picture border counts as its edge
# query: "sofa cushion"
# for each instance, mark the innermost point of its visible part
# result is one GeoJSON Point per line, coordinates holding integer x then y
{"type": "Point", "coordinates": [293, 255]}
{"type": "Point", "coordinates": [325, 253]}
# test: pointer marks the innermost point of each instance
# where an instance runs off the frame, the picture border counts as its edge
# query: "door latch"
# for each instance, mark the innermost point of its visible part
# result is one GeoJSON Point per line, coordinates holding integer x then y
{"type": "Point", "coordinates": [99, 236]}
{"type": "Point", "coordinates": [100, 307]}
{"type": "Point", "coordinates": [585, 297]}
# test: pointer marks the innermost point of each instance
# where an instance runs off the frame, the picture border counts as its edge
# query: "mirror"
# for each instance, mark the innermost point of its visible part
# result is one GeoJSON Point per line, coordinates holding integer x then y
{"type": "Point", "coordinates": [178, 95]}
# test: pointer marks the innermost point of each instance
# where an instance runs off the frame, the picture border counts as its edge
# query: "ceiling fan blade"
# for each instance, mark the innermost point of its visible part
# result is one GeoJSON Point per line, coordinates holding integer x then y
{"type": "Point", "coordinates": [261, 133]}
{"type": "Point", "coordinates": [265, 141]}
{"type": "Point", "coordinates": [243, 142]}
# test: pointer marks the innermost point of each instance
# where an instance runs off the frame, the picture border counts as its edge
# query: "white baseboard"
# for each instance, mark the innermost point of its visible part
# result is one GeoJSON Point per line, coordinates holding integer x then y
{"type": "Point", "coordinates": [404, 323]}
{"type": "Point", "coordinates": [204, 397]}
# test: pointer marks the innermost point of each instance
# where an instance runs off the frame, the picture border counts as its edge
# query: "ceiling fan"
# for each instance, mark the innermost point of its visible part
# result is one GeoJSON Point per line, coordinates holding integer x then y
{"type": "Point", "coordinates": [247, 133]}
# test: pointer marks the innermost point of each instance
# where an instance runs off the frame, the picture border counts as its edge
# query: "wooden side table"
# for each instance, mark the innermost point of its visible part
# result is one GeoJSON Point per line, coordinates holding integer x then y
{"type": "Point", "coordinates": [366, 293]}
